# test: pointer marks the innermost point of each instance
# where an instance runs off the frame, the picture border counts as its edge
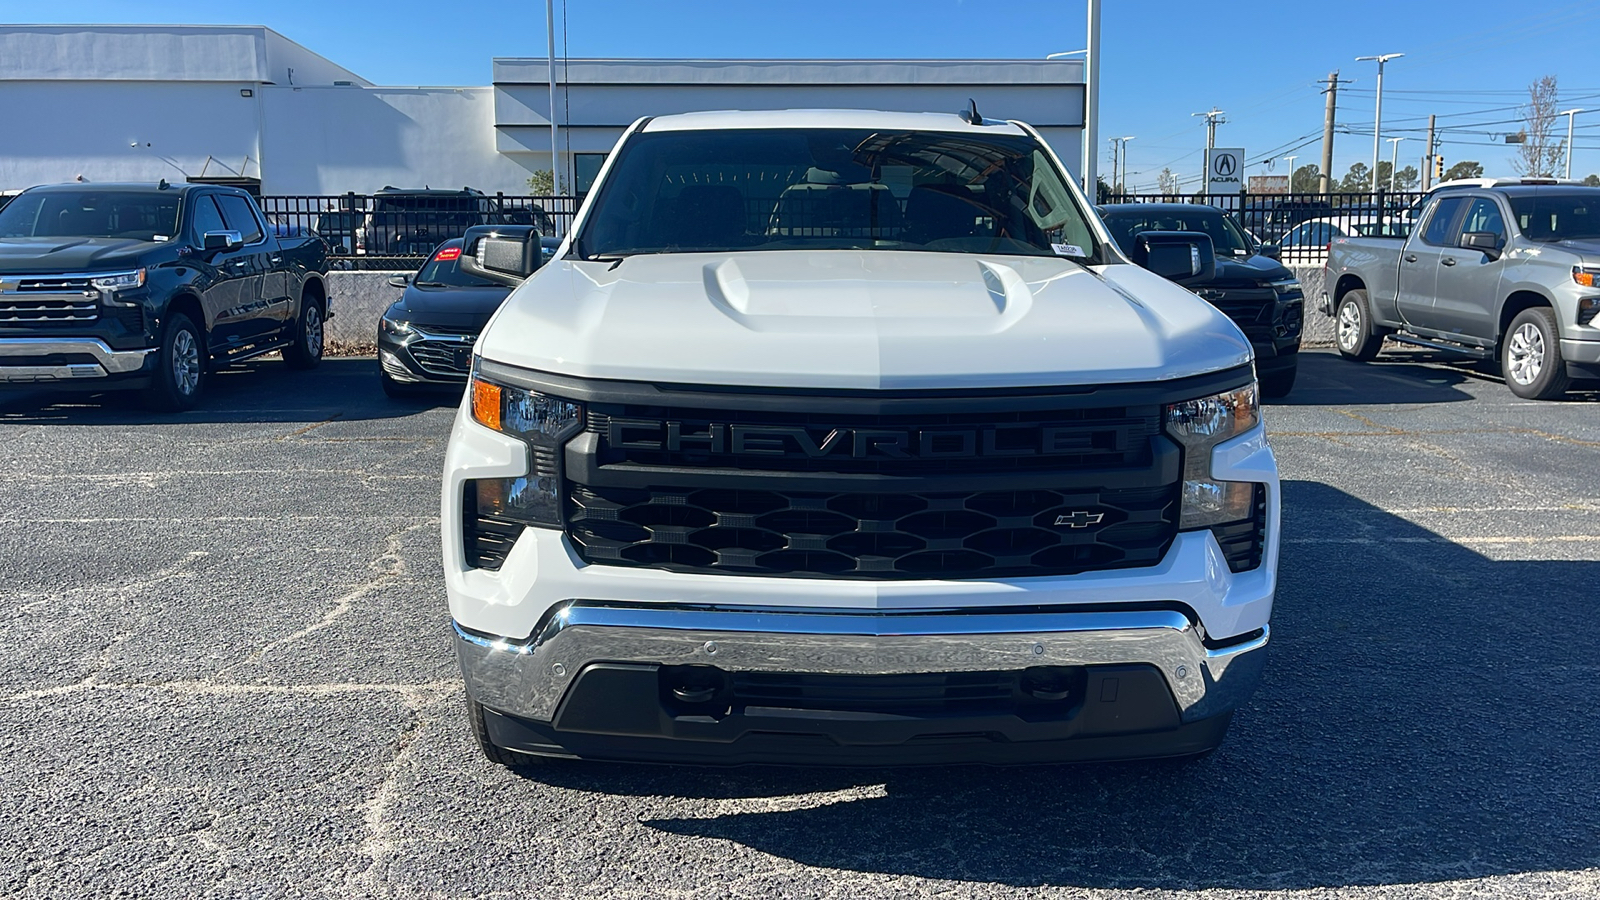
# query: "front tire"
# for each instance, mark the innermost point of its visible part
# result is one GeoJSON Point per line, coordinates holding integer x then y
{"type": "Point", "coordinates": [1530, 356]}
{"type": "Point", "coordinates": [305, 352]}
{"type": "Point", "coordinates": [181, 367]}
{"type": "Point", "coordinates": [1357, 339]}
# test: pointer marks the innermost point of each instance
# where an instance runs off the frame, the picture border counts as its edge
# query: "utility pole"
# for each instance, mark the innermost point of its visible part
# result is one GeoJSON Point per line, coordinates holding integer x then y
{"type": "Point", "coordinates": [1569, 114]}
{"type": "Point", "coordinates": [1427, 160]}
{"type": "Point", "coordinates": [1325, 180]}
{"type": "Point", "coordinates": [1091, 105]}
{"type": "Point", "coordinates": [555, 144]}
{"type": "Point", "coordinates": [1377, 116]}
{"type": "Point", "coordinates": [1119, 163]}
{"type": "Point", "coordinates": [1214, 117]}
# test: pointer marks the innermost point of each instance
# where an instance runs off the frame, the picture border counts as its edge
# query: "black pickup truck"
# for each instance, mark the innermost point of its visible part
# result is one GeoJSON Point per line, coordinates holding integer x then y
{"type": "Point", "coordinates": [149, 287]}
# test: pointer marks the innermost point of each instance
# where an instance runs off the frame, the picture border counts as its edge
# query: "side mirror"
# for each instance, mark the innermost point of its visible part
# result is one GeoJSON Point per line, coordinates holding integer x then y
{"type": "Point", "coordinates": [1486, 241]}
{"type": "Point", "coordinates": [1186, 257]}
{"type": "Point", "coordinates": [401, 280]}
{"type": "Point", "coordinates": [215, 241]}
{"type": "Point", "coordinates": [1270, 251]}
{"type": "Point", "coordinates": [506, 254]}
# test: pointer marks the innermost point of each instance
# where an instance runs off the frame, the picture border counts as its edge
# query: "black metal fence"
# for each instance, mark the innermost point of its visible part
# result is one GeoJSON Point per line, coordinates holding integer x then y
{"type": "Point", "coordinates": [1302, 225]}
{"type": "Point", "coordinates": [399, 230]}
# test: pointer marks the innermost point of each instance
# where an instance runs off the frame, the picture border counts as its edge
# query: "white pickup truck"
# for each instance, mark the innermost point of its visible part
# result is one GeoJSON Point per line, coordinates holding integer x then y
{"type": "Point", "coordinates": [851, 437]}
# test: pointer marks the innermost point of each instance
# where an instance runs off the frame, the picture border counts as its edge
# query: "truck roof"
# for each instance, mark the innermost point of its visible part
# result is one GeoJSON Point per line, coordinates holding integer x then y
{"type": "Point", "coordinates": [128, 187]}
{"type": "Point", "coordinates": [827, 118]}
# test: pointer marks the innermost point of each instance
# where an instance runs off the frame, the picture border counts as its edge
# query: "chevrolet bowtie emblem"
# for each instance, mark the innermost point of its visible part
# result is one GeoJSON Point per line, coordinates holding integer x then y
{"type": "Point", "coordinates": [1079, 519]}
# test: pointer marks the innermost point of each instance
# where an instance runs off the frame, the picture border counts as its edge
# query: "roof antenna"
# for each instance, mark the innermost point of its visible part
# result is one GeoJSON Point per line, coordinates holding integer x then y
{"type": "Point", "coordinates": [970, 114]}
{"type": "Point", "coordinates": [162, 185]}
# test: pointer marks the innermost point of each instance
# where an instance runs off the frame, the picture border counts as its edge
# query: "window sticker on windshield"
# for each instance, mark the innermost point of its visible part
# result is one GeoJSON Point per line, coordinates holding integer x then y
{"type": "Point", "coordinates": [1068, 250]}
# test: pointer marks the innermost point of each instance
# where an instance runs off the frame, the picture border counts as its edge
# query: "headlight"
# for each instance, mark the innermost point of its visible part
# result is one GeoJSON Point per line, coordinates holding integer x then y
{"type": "Point", "coordinates": [1588, 276]}
{"type": "Point", "coordinates": [394, 327]}
{"type": "Point", "coordinates": [1290, 286]}
{"type": "Point", "coordinates": [543, 421]}
{"type": "Point", "coordinates": [1200, 425]}
{"type": "Point", "coordinates": [119, 281]}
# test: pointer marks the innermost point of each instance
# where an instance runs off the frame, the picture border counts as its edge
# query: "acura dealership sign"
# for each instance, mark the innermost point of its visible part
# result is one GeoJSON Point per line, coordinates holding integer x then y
{"type": "Point", "coordinates": [1224, 170]}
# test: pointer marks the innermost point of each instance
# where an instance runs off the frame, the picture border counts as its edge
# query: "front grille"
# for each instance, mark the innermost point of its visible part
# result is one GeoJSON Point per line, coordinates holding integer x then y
{"type": "Point", "coordinates": [977, 534]}
{"type": "Point", "coordinates": [45, 299]}
{"type": "Point", "coordinates": [442, 357]}
{"type": "Point", "coordinates": [1243, 542]}
{"type": "Point", "coordinates": [1249, 308]}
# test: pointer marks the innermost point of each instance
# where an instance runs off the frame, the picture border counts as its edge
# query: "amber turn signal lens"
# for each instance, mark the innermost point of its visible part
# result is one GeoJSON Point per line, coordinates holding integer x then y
{"type": "Point", "coordinates": [486, 403]}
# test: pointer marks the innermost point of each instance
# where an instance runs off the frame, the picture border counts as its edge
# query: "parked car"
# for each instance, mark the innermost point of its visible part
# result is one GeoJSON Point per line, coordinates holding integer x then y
{"type": "Point", "coordinates": [413, 222]}
{"type": "Point", "coordinates": [425, 338]}
{"type": "Point", "coordinates": [150, 286]}
{"type": "Point", "coordinates": [1307, 243]}
{"type": "Point", "coordinates": [1253, 289]}
{"type": "Point", "coordinates": [758, 473]}
{"type": "Point", "coordinates": [1508, 272]}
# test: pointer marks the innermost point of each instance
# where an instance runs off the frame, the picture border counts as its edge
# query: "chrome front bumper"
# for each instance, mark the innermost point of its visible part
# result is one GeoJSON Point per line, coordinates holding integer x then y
{"type": "Point", "coordinates": [106, 360]}
{"type": "Point", "coordinates": [528, 679]}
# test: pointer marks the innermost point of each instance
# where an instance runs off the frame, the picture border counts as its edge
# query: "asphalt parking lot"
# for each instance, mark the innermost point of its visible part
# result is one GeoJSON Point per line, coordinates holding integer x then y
{"type": "Point", "coordinates": [226, 673]}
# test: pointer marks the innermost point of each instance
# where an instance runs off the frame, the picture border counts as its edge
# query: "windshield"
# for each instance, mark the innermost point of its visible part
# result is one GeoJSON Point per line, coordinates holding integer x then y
{"type": "Point", "coordinates": [1553, 217]}
{"type": "Point", "coordinates": [834, 189]}
{"type": "Point", "coordinates": [1225, 235]}
{"type": "Point", "coordinates": [443, 270]}
{"type": "Point", "coordinates": [140, 216]}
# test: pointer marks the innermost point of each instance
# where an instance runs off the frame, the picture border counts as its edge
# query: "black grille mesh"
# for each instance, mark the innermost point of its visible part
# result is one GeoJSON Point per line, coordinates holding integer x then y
{"type": "Point", "coordinates": [1243, 542]}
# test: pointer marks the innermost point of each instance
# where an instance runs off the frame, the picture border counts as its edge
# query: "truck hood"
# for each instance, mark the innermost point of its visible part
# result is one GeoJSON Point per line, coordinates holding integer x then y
{"type": "Point", "coordinates": [72, 254]}
{"type": "Point", "coordinates": [1251, 270]}
{"type": "Point", "coordinates": [859, 320]}
{"type": "Point", "coordinates": [1589, 248]}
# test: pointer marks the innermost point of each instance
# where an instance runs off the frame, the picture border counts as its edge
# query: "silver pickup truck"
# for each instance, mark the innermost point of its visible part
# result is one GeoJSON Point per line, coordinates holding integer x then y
{"type": "Point", "coordinates": [1507, 270]}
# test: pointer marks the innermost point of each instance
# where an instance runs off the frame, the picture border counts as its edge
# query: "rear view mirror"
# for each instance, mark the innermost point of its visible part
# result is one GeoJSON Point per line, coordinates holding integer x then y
{"type": "Point", "coordinates": [506, 254]}
{"type": "Point", "coordinates": [1486, 241]}
{"type": "Point", "coordinates": [215, 241]}
{"type": "Point", "coordinates": [1186, 257]}
{"type": "Point", "coordinates": [1271, 251]}
{"type": "Point", "coordinates": [401, 280]}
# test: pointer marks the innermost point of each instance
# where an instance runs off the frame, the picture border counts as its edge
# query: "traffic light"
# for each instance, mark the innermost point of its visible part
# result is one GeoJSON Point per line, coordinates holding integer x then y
{"type": "Point", "coordinates": [1438, 167]}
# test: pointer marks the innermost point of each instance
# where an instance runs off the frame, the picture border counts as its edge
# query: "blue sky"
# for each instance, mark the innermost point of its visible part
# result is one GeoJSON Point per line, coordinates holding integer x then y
{"type": "Point", "coordinates": [1469, 61]}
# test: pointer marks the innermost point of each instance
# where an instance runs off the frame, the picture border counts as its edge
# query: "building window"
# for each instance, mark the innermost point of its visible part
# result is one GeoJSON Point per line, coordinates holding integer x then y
{"type": "Point", "coordinates": [585, 169]}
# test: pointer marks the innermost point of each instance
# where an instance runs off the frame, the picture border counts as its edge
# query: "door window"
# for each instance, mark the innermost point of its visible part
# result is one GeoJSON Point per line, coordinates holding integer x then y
{"type": "Point", "coordinates": [241, 218]}
{"type": "Point", "coordinates": [1484, 215]}
{"type": "Point", "coordinates": [206, 217]}
{"type": "Point", "coordinates": [1444, 214]}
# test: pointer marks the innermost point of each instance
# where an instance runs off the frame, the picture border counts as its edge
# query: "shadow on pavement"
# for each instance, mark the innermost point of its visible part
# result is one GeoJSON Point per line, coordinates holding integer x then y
{"type": "Point", "coordinates": [1402, 376]}
{"type": "Point", "coordinates": [1427, 715]}
{"type": "Point", "coordinates": [263, 390]}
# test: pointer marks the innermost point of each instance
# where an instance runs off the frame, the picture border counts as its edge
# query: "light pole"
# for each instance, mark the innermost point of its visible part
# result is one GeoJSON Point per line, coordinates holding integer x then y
{"type": "Point", "coordinates": [555, 144]}
{"type": "Point", "coordinates": [1122, 177]}
{"type": "Point", "coordinates": [1119, 160]}
{"type": "Point", "coordinates": [1394, 156]}
{"type": "Point", "coordinates": [1091, 105]}
{"type": "Point", "coordinates": [1377, 117]}
{"type": "Point", "coordinates": [1569, 114]}
{"type": "Point", "coordinates": [1291, 160]}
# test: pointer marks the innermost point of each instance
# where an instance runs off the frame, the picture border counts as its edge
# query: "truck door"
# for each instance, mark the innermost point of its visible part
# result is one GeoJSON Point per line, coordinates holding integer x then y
{"type": "Point", "coordinates": [224, 276]}
{"type": "Point", "coordinates": [1419, 262]}
{"type": "Point", "coordinates": [253, 261]}
{"type": "Point", "coordinates": [1469, 280]}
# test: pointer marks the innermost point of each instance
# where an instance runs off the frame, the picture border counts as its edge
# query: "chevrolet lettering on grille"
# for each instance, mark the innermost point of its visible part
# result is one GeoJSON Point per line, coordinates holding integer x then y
{"type": "Point", "coordinates": [861, 443]}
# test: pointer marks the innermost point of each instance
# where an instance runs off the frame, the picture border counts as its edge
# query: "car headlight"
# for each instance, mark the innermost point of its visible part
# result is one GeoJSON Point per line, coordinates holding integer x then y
{"type": "Point", "coordinates": [394, 327]}
{"type": "Point", "coordinates": [545, 423]}
{"type": "Point", "coordinates": [119, 281]}
{"type": "Point", "coordinates": [1287, 286]}
{"type": "Point", "coordinates": [1200, 425]}
{"type": "Point", "coordinates": [1588, 276]}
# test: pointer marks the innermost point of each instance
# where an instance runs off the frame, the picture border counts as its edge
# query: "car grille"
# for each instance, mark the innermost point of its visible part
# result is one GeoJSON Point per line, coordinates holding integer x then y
{"type": "Point", "coordinates": [976, 534]}
{"type": "Point", "coordinates": [439, 358]}
{"type": "Point", "coordinates": [1249, 308]}
{"type": "Point", "coordinates": [1243, 542]}
{"type": "Point", "coordinates": [970, 693]}
{"type": "Point", "coordinates": [48, 298]}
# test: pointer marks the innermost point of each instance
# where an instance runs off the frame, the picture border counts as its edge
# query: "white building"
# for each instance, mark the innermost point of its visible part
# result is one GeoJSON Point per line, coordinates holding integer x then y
{"type": "Point", "coordinates": [243, 104]}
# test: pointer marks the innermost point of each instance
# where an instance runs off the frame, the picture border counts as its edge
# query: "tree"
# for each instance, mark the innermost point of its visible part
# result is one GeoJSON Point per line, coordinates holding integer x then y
{"type": "Point", "coordinates": [1304, 180]}
{"type": "Point", "coordinates": [1357, 181]}
{"type": "Point", "coordinates": [1103, 191]}
{"type": "Point", "coordinates": [542, 183]}
{"type": "Point", "coordinates": [1167, 183]}
{"type": "Point", "coordinates": [1404, 180]}
{"type": "Point", "coordinates": [1467, 168]}
{"type": "Point", "coordinates": [1541, 151]}
{"type": "Point", "coordinates": [1592, 180]}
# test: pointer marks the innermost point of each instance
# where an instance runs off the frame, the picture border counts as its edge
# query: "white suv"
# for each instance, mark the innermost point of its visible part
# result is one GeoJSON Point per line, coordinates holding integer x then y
{"type": "Point", "coordinates": [851, 437]}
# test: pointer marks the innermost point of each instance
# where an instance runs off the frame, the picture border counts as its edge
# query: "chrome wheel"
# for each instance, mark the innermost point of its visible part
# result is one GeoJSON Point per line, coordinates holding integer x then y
{"type": "Point", "coordinates": [1349, 326]}
{"type": "Point", "coordinates": [185, 363]}
{"type": "Point", "coordinates": [313, 330]}
{"type": "Point", "coordinates": [1525, 351]}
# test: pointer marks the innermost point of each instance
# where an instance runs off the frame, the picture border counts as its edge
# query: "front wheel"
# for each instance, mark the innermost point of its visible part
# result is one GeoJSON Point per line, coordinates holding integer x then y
{"type": "Point", "coordinates": [1530, 356]}
{"type": "Point", "coordinates": [306, 349]}
{"type": "Point", "coordinates": [1357, 338]}
{"type": "Point", "coordinates": [180, 374]}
